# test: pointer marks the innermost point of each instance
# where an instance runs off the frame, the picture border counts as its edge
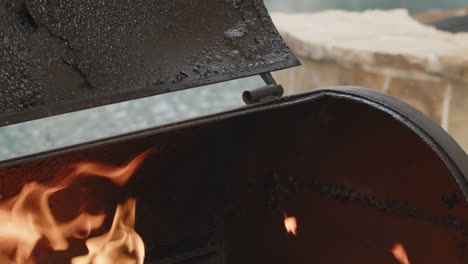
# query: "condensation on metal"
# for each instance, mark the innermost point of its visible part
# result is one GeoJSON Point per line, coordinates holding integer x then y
{"type": "Point", "coordinates": [58, 56]}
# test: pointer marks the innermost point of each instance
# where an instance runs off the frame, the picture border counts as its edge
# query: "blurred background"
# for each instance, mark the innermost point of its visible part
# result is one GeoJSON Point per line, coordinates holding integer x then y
{"type": "Point", "coordinates": [359, 5]}
{"type": "Point", "coordinates": [54, 132]}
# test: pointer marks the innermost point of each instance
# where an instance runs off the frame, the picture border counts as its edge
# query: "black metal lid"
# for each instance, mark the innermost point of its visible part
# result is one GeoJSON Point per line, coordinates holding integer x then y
{"type": "Point", "coordinates": [58, 56]}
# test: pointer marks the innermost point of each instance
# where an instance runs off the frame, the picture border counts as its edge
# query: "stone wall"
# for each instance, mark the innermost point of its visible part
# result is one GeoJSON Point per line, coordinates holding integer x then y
{"type": "Point", "coordinates": [383, 50]}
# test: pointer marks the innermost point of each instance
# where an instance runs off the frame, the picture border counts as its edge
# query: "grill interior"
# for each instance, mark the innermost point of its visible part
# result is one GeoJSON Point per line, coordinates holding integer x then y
{"type": "Point", "coordinates": [358, 177]}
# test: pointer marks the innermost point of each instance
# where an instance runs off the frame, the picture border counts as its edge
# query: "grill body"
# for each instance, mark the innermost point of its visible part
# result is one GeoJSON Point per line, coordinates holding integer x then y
{"type": "Point", "coordinates": [359, 170]}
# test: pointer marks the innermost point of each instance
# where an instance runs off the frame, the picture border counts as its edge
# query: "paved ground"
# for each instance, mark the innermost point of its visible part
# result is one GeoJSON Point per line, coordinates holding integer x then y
{"type": "Point", "coordinates": [453, 24]}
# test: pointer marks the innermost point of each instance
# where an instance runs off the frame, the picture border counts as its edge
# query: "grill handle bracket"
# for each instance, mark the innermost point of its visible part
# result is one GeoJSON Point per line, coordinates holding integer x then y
{"type": "Point", "coordinates": [270, 91]}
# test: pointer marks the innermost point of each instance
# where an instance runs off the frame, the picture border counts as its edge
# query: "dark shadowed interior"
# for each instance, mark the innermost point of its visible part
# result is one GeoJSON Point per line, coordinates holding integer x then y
{"type": "Point", "coordinates": [358, 176]}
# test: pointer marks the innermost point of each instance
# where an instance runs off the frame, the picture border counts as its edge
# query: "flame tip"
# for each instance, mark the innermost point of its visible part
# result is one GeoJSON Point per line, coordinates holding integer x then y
{"type": "Point", "coordinates": [290, 223]}
{"type": "Point", "coordinates": [399, 252]}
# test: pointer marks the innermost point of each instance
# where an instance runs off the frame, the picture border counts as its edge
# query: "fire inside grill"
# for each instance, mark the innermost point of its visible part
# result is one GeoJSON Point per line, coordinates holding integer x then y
{"type": "Point", "coordinates": [29, 218]}
{"type": "Point", "coordinates": [399, 253]}
{"type": "Point", "coordinates": [290, 223]}
{"type": "Point", "coordinates": [338, 175]}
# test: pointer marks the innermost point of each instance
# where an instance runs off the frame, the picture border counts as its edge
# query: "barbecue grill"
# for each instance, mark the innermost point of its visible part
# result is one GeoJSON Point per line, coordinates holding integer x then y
{"type": "Point", "coordinates": [337, 175]}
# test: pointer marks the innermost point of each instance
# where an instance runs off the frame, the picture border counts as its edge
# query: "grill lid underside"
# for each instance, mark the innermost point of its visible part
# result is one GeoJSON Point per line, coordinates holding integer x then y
{"type": "Point", "coordinates": [59, 56]}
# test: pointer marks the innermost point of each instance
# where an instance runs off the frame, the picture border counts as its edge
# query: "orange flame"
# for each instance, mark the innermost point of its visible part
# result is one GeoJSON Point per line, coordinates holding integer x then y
{"type": "Point", "coordinates": [27, 218]}
{"type": "Point", "coordinates": [290, 223]}
{"type": "Point", "coordinates": [399, 253]}
{"type": "Point", "coordinates": [121, 245]}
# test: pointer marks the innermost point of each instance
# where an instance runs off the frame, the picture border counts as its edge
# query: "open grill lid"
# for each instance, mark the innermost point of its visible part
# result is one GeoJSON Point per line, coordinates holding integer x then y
{"type": "Point", "coordinates": [58, 56]}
